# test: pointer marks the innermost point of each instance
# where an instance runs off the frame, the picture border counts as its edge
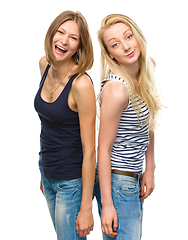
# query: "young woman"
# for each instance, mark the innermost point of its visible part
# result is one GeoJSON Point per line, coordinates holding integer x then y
{"type": "Point", "coordinates": [129, 107]}
{"type": "Point", "coordinates": [65, 103]}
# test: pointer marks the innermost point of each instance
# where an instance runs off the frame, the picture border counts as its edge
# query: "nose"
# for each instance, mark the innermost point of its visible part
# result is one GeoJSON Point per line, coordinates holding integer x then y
{"type": "Point", "coordinates": [64, 39]}
{"type": "Point", "coordinates": [125, 46]}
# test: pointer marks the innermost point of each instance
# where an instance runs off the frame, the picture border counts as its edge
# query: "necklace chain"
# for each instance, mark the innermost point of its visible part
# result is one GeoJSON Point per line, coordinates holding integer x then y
{"type": "Point", "coordinates": [50, 78]}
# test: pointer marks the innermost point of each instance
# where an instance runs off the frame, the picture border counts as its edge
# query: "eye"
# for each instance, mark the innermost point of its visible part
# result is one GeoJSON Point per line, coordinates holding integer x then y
{"type": "Point", "coordinates": [74, 38]}
{"type": "Point", "coordinates": [59, 31]}
{"type": "Point", "coordinates": [115, 45]}
{"type": "Point", "coordinates": [129, 36]}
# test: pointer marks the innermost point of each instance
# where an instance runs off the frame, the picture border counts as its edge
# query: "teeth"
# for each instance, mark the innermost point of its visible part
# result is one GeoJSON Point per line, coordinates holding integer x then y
{"type": "Point", "coordinates": [130, 53]}
{"type": "Point", "coordinates": [62, 48]}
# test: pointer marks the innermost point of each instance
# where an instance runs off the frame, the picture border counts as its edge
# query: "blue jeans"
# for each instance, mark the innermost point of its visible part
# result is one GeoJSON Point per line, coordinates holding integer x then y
{"type": "Point", "coordinates": [125, 195]}
{"type": "Point", "coordinates": [64, 200]}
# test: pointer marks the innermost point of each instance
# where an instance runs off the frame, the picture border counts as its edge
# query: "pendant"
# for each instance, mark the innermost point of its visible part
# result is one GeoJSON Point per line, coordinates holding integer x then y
{"type": "Point", "coordinates": [51, 98]}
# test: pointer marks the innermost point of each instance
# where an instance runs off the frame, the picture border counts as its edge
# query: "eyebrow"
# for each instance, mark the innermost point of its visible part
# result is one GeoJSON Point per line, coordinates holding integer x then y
{"type": "Point", "coordinates": [123, 34]}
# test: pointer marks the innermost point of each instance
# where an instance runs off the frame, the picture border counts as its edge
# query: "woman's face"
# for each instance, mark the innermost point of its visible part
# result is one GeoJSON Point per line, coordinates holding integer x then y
{"type": "Point", "coordinates": [66, 41]}
{"type": "Point", "coordinates": [122, 44]}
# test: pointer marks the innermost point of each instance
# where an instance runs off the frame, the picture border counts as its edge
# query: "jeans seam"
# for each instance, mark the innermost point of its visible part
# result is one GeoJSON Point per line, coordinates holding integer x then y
{"type": "Point", "coordinates": [117, 209]}
{"type": "Point", "coordinates": [77, 209]}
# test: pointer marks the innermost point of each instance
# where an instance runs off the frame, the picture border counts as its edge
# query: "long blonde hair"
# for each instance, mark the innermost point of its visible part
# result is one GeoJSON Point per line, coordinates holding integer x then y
{"type": "Point", "coordinates": [146, 91]}
{"type": "Point", "coordinates": [84, 57]}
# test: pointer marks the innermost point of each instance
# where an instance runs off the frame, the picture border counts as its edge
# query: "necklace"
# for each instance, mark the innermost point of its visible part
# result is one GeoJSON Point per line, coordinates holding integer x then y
{"type": "Point", "coordinates": [50, 76]}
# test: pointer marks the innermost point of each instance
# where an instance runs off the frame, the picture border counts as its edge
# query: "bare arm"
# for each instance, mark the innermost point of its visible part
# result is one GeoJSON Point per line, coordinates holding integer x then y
{"type": "Point", "coordinates": [42, 66]}
{"type": "Point", "coordinates": [114, 100]}
{"type": "Point", "coordinates": [148, 184]}
{"type": "Point", "coordinates": [84, 96]}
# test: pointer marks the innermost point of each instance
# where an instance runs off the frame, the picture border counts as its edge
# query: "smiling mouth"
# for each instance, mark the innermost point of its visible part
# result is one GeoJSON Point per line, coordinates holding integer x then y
{"type": "Point", "coordinates": [60, 50]}
{"type": "Point", "coordinates": [130, 54]}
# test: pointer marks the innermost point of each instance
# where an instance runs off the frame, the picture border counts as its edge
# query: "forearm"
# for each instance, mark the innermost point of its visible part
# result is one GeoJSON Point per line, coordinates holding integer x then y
{"type": "Point", "coordinates": [104, 172]}
{"type": "Point", "coordinates": [150, 158]}
{"type": "Point", "coordinates": [148, 182]}
{"type": "Point", "coordinates": [88, 178]}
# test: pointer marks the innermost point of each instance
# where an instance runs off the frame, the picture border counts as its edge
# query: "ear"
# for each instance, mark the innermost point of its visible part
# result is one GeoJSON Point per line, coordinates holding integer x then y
{"type": "Point", "coordinates": [111, 56]}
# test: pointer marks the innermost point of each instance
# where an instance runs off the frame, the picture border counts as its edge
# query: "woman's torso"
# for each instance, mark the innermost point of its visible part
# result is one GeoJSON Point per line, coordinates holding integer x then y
{"type": "Point", "coordinates": [132, 139]}
{"type": "Point", "coordinates": [61, 154]}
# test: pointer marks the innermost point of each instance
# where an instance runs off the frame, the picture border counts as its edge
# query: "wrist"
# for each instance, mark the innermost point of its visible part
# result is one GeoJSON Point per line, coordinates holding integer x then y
{"type": "Point", "coordinates": [150, 166]}
{"type": "Point", "coordinates": [108, 203]}
{"type": "Point", "coordinates": [150, 169]}
{"type": "Point", "coordinates": [86, 206]}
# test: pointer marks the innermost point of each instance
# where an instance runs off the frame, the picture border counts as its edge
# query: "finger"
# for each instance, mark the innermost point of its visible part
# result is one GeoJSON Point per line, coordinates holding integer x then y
{"type": "Point", "coordinates": [109, 229]}
{"type": "Point", "coordinates": [111, 232]}
{"type": "Point", "coordinates": [113, 235]}
{"type": "Point", "coordinates": [142, 189]}
{"type": "Point", "coordinates": [145, 195]}
{"type": "Point", "coordinates": [84, 233]}
{"type": "Point", "coordinates": [105, 229]}
{"type": "Point", "coordinates": [91, 228]}
{"type": "Point", "coordinates": [81, 233]}
{"type": "Point", "coordinates": [115, 224]}
{"type": "Point", "coordinates": [88, 231]}
{"type": "Point", "coordinates": [77, 228]}
{"type": "Point", "coordinates": [41, 188]}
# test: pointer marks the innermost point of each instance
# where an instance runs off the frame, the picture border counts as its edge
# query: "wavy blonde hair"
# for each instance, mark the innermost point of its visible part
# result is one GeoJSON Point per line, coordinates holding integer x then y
{"type": "Point", "coordinates": [146, 91]}
{"type": "Point", "coordinates": [84, 57]}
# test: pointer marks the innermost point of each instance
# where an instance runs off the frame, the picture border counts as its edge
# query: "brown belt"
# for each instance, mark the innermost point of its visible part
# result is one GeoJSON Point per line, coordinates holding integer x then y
{"type": "Point", "coordinates": [130, 174]}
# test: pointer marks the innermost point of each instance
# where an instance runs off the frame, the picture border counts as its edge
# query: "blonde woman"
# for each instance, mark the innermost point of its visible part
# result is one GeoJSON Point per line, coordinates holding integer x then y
{"type": "Point", "coordinates": [129, 107]}
{"type": "Point", "coordinates": [65, 103]}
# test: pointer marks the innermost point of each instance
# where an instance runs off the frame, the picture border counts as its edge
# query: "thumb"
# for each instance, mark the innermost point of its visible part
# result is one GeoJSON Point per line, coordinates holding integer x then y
{"type": "Point", "coordinates": [115, 224]}
{"type": "Point", "coordinates": [142, 190]}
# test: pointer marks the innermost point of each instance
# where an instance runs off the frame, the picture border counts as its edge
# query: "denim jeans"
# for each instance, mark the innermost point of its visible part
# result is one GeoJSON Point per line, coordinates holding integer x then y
{"type": "Point", "coordinates": [64, 200]}
{"type": "Point", "coordinates": [125, 195]}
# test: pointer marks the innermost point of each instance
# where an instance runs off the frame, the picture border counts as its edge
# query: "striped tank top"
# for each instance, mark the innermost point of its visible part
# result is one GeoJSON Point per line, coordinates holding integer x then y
{"type": "Point", "coordinates": [132, 139]}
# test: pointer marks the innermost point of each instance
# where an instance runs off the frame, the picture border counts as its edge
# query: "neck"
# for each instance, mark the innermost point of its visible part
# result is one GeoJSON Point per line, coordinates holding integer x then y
{"type": "Point", "coordinates": [133, 70]}
{"type": "Point", "coordinates": [62, 68]}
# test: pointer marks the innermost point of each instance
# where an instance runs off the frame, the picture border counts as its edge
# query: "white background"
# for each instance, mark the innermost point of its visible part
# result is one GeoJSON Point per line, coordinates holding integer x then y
{"type": "Point", "coordinates": [23, 25]}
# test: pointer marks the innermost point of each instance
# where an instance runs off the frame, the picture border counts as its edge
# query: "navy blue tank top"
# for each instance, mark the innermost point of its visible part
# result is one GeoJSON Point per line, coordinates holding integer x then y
{"type": "Point", "coordinates": [61, 154]}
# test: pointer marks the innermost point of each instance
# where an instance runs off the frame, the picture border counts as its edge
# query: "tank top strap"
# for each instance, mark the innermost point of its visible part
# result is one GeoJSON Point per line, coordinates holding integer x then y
{"type": "Point", "coordinates": [111, 79]}
{"type": "Point", "coordinates": [69, 84]}
{"type": "Point", "coordinates": [44, 75]}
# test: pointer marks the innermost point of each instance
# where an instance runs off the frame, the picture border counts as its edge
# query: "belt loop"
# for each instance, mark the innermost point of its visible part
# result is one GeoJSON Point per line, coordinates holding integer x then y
{"type": "Point", "coordinates": [139, 178]}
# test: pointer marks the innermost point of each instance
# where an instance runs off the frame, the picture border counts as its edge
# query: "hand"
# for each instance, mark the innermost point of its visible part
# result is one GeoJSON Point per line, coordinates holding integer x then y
{"type": "Point", "coordinates": [147, 185]}
{"type": "Point", "coordinates": [84, 223]}
{"type": "Point", "coordinates": [41, 186]}
{"type": "Point", "coordinates": [109, 221]}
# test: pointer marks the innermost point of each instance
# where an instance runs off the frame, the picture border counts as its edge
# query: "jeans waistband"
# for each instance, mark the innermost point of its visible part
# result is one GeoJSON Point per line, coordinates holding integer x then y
{"type": "Point", "coordinates": [130, 174]}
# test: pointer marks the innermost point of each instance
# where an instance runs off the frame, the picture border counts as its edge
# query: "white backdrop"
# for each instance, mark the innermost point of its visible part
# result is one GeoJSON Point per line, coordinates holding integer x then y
{"type": "Point", "coordinates": [23, 24]}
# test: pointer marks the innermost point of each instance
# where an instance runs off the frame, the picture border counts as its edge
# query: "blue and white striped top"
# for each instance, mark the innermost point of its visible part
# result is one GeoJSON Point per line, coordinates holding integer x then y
{"type": "Point", "coordinates": [132, 139]}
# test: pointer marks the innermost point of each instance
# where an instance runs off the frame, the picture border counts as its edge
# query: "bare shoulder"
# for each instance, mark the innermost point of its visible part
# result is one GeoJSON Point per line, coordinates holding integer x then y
{"type": "Point", "coordinates": [153, 61]}
{"type": "Point", "coordinates": [82, 83]}
{"type": "Point", "coordinates": [116, 92]}
{"type": "Point", "coordinates": [42, 65]}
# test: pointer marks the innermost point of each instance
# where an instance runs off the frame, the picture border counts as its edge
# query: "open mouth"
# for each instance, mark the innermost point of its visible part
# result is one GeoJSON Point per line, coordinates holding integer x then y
{"type": "Point", "coordinates": [60, 50]}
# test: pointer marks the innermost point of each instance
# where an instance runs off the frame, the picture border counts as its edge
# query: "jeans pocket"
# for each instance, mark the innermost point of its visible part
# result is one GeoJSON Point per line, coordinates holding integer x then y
{"type": "Point", "coordinates": [71, 190]}
{"type": "Point", "coordinates": [69, 185]}
{"type": "Point", "coordinates": [129, 187]}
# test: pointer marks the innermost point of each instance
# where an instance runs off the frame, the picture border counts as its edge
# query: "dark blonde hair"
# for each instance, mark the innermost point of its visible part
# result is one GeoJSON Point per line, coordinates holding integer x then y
{"type": "Point", "coordinates": [84, 57]}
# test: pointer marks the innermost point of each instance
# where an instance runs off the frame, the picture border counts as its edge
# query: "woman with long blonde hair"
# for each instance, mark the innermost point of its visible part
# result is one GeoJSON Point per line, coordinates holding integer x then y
{"type": "Point", "coordinates": [129, 108]}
